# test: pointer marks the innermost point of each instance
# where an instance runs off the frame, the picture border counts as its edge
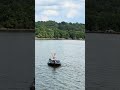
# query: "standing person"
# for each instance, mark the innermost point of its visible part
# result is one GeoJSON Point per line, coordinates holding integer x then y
{"type": "Point", "coordinates": [54, 57]}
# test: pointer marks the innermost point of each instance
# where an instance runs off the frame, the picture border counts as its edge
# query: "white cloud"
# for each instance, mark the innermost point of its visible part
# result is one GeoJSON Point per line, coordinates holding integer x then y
{"type": "Point", "coordinates": [53, 7]}
{"type": "Point", "coordinates": [45, 2]}
{"type": "Point", "coordinates": [50, 12]}
{"type": "Point", "coordinates": [44, 18]}
{"type": "Point", "coordinates": [48, 9]}
{"type": "Point", "coordinates": [72, 14]}
{"type": "Point", "coordinates": [70, 5]}
{"type": "Point", "coordinates": [41, 17]}
{"type": "Point", "coordinates": [72, 8]}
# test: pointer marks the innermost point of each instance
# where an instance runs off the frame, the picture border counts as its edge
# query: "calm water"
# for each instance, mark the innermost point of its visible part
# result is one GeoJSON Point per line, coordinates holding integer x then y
{"type": "Point", "coordinates": [71, 75]}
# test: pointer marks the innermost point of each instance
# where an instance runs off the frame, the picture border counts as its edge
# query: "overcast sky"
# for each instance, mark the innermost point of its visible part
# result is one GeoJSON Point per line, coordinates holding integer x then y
{"type": "Point", "coordinates": [60, 10]}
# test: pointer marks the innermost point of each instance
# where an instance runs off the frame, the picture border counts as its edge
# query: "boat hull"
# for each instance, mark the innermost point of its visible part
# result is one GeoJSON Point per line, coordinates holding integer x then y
{"type": "Point", "coordinates": [54, 63]}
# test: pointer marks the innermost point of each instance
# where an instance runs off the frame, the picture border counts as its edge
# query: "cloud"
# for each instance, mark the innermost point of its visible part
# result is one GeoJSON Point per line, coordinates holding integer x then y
{"type": "Point", "coordinates": [72, 8]}
{"type": "Point", "coordinates": [45, 2]}
{"type": "Point", "coordinates": [72, 14]}
{"type": "Point", "coordinates": [70, 5]}
{"type": "Point", "coordinates": [65, 10]}
{"type": "Point", "coordinates": [50, 12]}
{"type": "Point", "coordinates": [44, 18]}
{"type": "Point", "coordinates": [41, 18]}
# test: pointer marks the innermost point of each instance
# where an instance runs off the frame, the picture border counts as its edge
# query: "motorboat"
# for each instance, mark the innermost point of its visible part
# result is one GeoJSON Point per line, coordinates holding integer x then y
{"type": "Point", "coordinates": [53, 62]}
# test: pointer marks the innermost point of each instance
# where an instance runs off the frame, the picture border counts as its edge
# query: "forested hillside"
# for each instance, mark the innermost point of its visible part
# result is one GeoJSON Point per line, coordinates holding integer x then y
{"type": "Point", "coordinates": [52, 29]}
{"type": "Point", "coordinates": [102, 15]}
{"type": "Point", "coordinates": [17, 14]}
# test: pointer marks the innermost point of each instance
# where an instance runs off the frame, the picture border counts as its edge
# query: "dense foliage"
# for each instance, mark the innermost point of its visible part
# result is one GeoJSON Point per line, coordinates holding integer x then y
{"type": "Point", "coordinates": [52, 29]}
{"type": "Point", "coordinates": [17, 14]}
{"type": "Point", "coordinates": [102, 15]}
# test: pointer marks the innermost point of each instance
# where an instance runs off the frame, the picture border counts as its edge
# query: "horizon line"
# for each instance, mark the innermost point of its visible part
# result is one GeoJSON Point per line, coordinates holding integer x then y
{"type": "Point", "coordinates": [60, 21]}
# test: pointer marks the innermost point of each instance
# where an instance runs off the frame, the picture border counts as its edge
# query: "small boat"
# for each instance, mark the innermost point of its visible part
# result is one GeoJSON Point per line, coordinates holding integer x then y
{"type": "Point", "coordinates": [54, 62]}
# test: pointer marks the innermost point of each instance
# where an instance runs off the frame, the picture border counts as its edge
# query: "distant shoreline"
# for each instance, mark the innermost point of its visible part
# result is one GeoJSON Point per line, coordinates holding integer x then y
{"type": "Point", "coordinates": [36, 38]}
{"type": "Point", "coordinates": [16, 30]}
{"type": "Point", "coordinates": [102, 32]}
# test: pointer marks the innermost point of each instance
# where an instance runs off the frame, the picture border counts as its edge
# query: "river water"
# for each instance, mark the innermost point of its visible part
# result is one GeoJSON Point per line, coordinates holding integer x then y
{"type": "Point", "coordinates": [71, 74]}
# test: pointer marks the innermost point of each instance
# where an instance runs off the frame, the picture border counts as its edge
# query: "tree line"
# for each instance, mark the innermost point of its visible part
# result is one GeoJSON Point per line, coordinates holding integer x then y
{"type": "Point", "coordinates": [17, 14]}
{"type": "Point", "coordinates": [102, 15]}
{"type": "Point", "coordinates": [52, 29]}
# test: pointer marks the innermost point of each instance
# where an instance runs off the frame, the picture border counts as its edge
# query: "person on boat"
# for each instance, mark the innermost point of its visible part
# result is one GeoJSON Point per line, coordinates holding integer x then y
{"type": "Point", "coordinates": [54, 58]}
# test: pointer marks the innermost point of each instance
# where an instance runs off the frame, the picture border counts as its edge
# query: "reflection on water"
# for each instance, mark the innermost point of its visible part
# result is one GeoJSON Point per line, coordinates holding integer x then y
{"type": "Point", "coordinates": [70, 75]}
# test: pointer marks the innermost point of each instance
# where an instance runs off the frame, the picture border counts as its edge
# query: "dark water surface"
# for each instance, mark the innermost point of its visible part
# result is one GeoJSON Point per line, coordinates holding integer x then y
{"type": "Point", "coordinates": [16, 60]}
{"type": "Point", "coordinates": [71, 75]}
{"type": "Point", "coordinates": [102, 61]}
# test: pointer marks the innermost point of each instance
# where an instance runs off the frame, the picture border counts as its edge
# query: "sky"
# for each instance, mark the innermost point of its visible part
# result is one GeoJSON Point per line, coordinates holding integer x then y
{"type": "Point", "coordinates": [60, 10]}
